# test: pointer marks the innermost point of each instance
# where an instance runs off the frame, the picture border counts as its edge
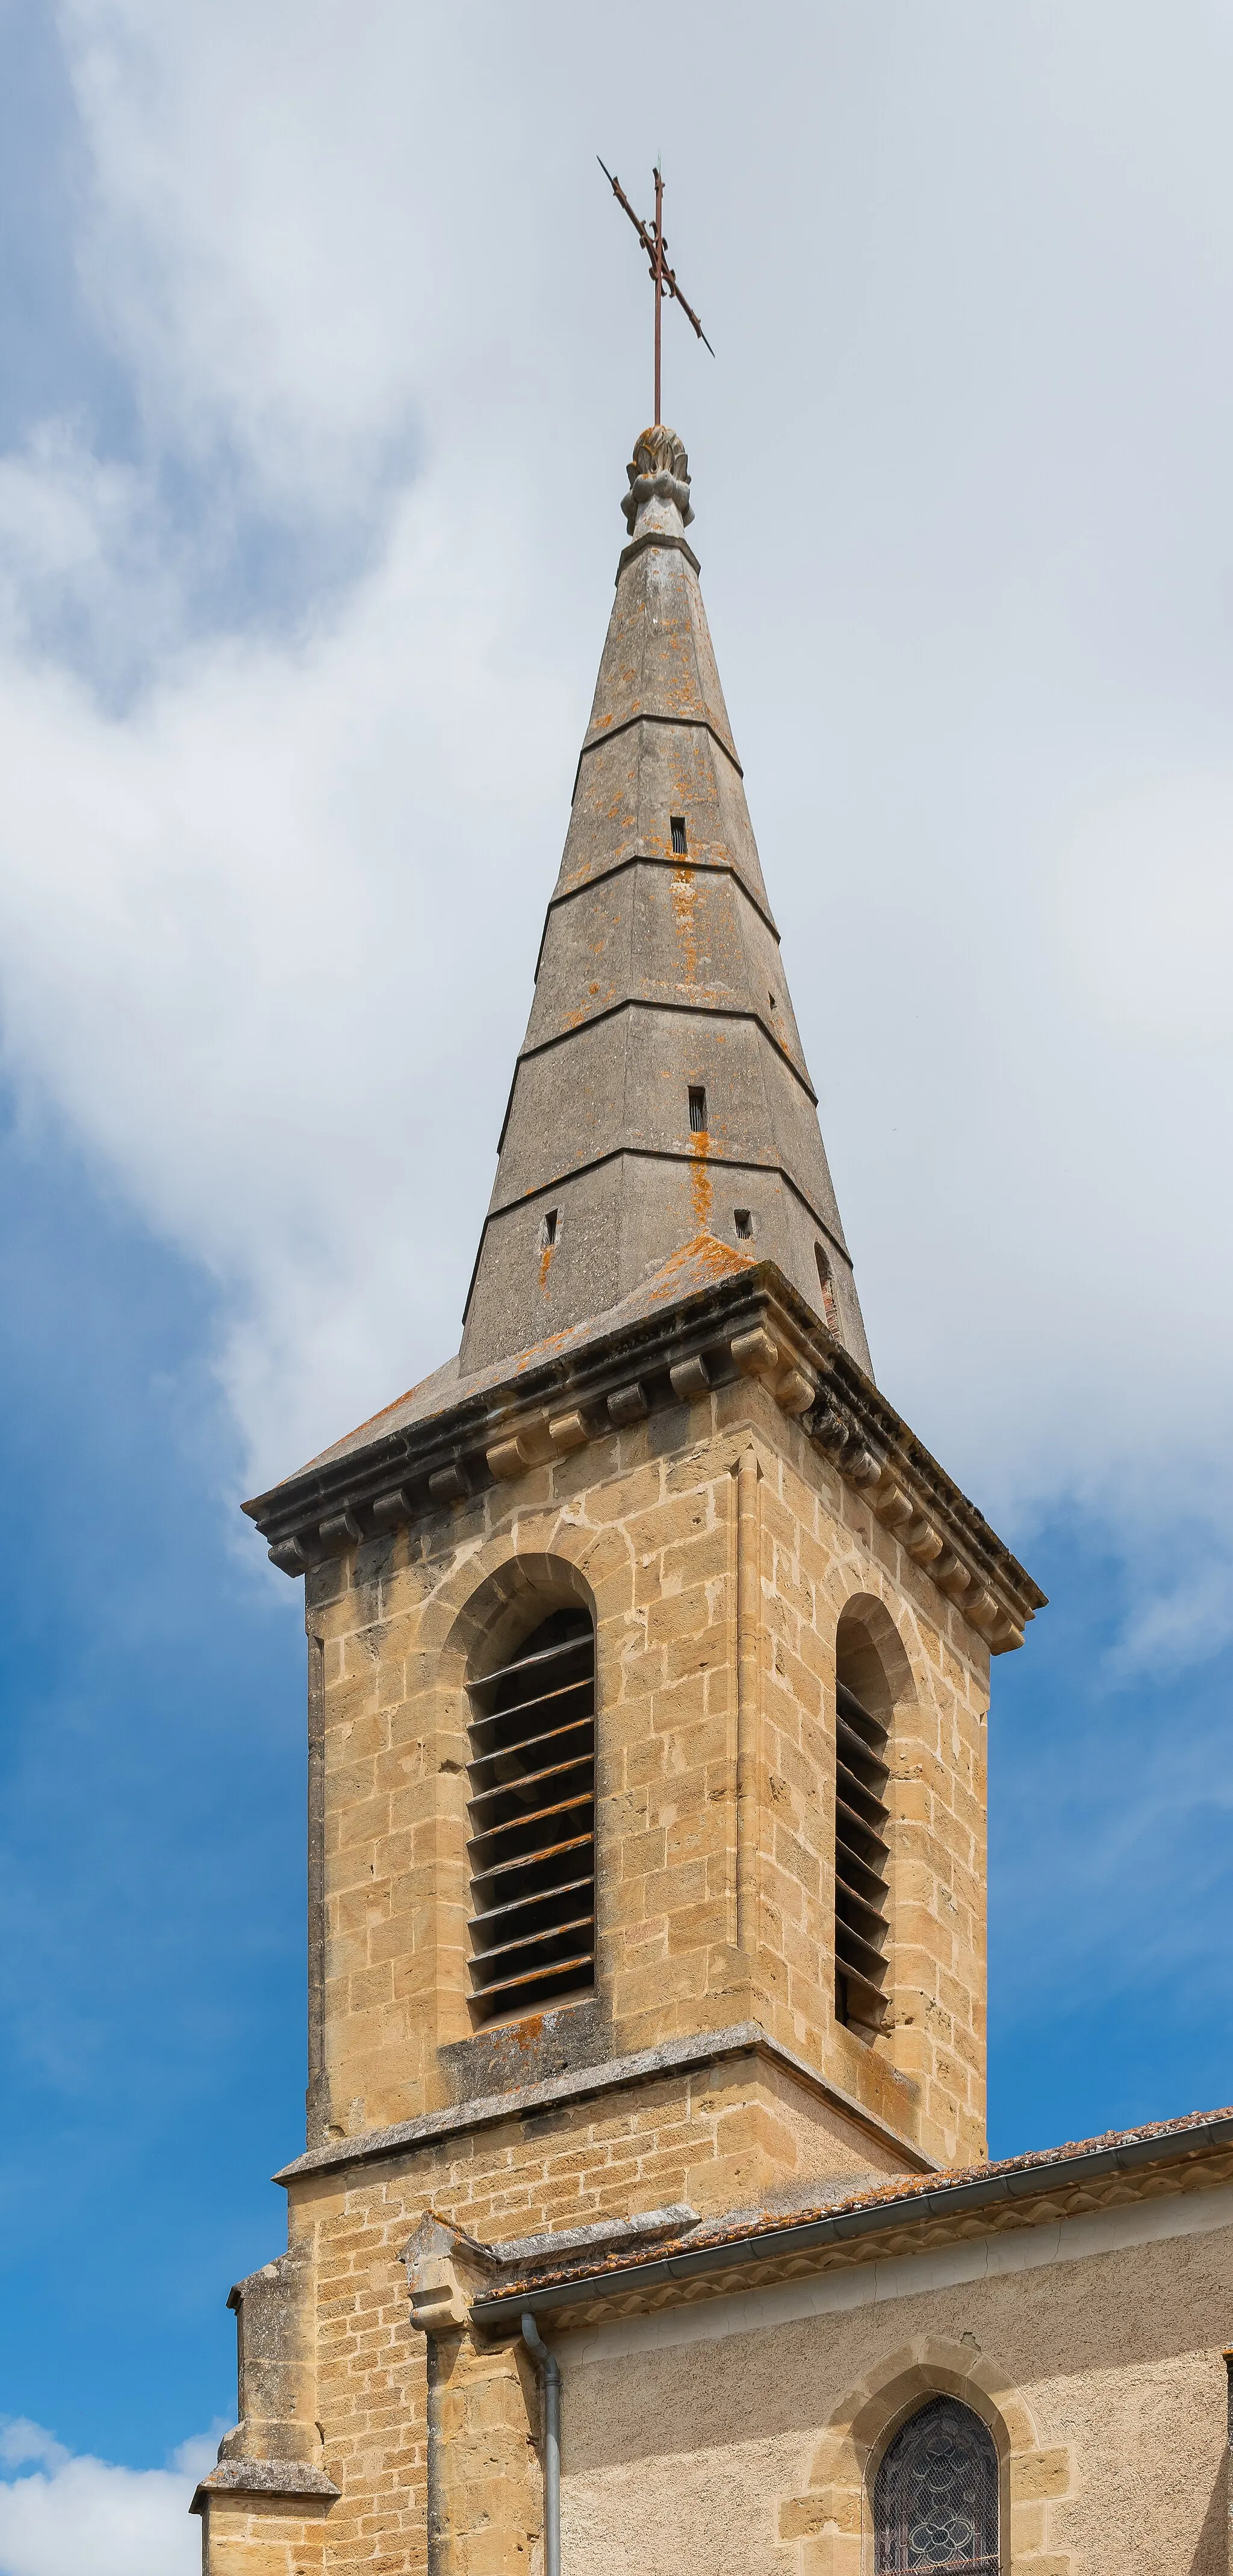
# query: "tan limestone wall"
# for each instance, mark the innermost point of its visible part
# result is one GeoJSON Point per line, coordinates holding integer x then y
{"type": "Point", "coordinates": [259, 2536]}
{"type": "Point", "coordinates": [642, 1525]}
{"type": "Point", "coordinates": [1102, 2380]}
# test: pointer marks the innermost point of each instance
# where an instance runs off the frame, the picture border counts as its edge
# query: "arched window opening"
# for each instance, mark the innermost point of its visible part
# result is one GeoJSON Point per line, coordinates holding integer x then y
{"type": "Point", "coordinates": [935, 2497]}
{"type": "Point", "coordinates": [862, 1853]}
{"type": "Point", "coordinates": [532, 1821]}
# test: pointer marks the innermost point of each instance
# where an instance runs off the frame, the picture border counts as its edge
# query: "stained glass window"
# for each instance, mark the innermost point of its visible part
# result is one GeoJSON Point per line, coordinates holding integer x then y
{"type": "Point", "coordinates": [935, 2498]}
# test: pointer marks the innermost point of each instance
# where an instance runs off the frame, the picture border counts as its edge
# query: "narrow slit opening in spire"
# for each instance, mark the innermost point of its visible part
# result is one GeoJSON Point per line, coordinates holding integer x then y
{"type": "Point", "coordinates": [742, 1218]}
{"type": "Point", "coordinates": [697, 1109]}
{"type": "Point", "coordinates": [830, 1312]}
{"type": "Point", "coordinates": [548, 1231]}
{"type": "Point", "coordinates": [679, 843]}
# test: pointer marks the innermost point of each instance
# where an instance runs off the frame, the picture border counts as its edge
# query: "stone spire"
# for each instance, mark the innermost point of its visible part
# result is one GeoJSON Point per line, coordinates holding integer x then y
{"type": "Point", "coordinates": [661, 1094]}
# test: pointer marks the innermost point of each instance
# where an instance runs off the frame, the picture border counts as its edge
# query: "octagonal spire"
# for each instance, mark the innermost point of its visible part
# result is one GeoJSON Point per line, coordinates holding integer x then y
{"type": "Point", "coordinates": [661, 1093]}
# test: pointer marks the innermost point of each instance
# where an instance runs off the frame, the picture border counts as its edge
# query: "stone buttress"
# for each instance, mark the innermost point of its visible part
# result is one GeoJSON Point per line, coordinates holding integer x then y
{"type": "Point", "coordinates": [661, 1460]}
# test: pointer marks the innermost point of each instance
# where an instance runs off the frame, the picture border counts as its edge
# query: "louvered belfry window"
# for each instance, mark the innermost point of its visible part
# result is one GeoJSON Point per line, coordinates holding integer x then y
{"type": "Point", "coordinates": [862, 1861]}
{"type": "Point", "coordinates": [935, 2497]}
{"type": "Point", "coordinates": [532, 1821]}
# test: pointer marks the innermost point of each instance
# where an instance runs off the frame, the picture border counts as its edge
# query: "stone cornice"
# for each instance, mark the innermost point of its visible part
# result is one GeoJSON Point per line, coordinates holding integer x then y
{"type": "Point", "coordinates": [666, 1351]}
{"type": "Point", "coordinates": [587, 2083]}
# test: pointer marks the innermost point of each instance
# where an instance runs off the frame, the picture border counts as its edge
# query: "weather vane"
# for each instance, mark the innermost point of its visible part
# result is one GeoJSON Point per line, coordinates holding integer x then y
{"type": "Point", "coordinates": [662, 277]}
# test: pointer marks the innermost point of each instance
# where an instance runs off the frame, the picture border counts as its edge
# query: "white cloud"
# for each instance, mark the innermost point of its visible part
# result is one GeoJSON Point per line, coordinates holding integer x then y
{"type": "Point", "coordinates": [233, 965]}
{"type": "Point", "coordinates": [267, 923]}
{"type": "Point", "coordinates": [77, 2514]}
{"type": "Point", "coordinates": [23, 2442]}
{"type": "Point", "coordinates": [1177, 1621]}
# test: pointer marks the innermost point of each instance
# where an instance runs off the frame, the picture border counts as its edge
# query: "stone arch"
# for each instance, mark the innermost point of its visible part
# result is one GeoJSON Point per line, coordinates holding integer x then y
{"type": "Point", "coordinates": [868, 1642]}
{"type": "Point", "coordinates": [486, 1605]}
{"type": "Point", "coordinates": [837, 2503]}
{"type": "Point", "coordinates": [552, 1550]}
{"type": "Point", "coordinates": [506, 1604]}
{"type": "Point", "coordinates": [872, 1663]}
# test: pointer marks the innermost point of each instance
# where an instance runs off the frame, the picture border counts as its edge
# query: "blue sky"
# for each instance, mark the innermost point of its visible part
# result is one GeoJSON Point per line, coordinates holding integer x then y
{"type": "Point", "coordinates": [309, 465]}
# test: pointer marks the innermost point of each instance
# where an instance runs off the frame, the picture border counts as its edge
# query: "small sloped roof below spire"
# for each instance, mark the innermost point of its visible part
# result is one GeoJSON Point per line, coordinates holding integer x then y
{"type": "Point", "coordinates": [661, 1089]}
{"type": "Point", "coordinates": [697, 1265]}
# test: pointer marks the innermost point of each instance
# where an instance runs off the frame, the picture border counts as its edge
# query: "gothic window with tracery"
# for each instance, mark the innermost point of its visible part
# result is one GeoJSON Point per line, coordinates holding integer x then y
{"type": "Point", "coordinates": [935, 2497]}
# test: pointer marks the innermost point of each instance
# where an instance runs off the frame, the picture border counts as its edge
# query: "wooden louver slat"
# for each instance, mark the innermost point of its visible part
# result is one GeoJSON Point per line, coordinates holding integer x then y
{"type": "Point", "coordinates": [861, 1863]}
{"type": "Point", "coordinates": [532, 1822]}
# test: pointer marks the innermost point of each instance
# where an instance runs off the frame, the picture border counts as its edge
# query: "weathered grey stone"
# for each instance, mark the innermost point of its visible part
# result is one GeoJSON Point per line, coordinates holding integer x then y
{"type": "Point", "coordinates": [265, 2477]}
{"type": "Point", "coordinates": [275, 2388]}
{"type": "Point", "coordinates": [557, 2243]}
{"type": "Point", "coordinates": [661, 1094]}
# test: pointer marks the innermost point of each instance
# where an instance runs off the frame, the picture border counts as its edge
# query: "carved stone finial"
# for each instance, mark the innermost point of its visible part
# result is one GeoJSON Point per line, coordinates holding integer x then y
{"type": "Point", "coordinates": [659, 475]}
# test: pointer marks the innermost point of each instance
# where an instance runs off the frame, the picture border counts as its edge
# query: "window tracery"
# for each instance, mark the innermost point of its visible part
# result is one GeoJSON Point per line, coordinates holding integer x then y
{"type": "Point", "coordinates": [935, 2497]}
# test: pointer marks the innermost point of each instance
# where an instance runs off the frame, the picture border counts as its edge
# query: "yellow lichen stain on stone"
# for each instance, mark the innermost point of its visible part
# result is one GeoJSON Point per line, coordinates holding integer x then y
{"type": "Point", "coordinates": [684, 902]}
{"type": "Point", "coordinates": [701, 1186]}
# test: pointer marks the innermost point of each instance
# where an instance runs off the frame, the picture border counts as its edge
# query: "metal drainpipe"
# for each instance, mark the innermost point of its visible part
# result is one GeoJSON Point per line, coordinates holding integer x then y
{"type": "Point", "coordinates": [550, 2374]}
{"type": "Point", "coordinates": [437, 2526]}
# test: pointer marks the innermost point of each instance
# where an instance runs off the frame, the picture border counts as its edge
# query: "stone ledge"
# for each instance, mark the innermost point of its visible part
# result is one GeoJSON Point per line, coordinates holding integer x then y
{"type": "Point", "coordinates": [673, 2056]}
{"type": "Point", "coordinates": [657, 715]}
{"type": "Point", "coordinates": [656, 537]}
{"type": "Point", "coordinates": [291, 2478]}
{"type": "Point", "coordinates": [675, 2219]}
{"type": "Point", "coordinates": [688, 862]}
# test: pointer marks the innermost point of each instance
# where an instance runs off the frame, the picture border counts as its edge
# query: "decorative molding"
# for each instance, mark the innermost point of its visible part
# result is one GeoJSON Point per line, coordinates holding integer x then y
{"type": "Point", "coordinates": [659, 472]}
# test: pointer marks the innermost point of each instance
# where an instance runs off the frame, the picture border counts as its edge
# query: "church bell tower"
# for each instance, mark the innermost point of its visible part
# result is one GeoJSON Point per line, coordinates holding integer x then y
{"type": "Point", "coordinates": [648, 1678]}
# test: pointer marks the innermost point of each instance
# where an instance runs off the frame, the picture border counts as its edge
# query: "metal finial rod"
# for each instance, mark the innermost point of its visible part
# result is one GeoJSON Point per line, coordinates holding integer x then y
{"type": "Point", "coordinates": [659, 290]}
{"type": "Point", "coordinates": [662, 277]}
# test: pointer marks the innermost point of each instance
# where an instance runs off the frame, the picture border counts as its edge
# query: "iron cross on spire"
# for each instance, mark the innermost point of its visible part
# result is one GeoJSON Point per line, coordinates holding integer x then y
{"type": "Point", "coordinates": [662, 277]}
